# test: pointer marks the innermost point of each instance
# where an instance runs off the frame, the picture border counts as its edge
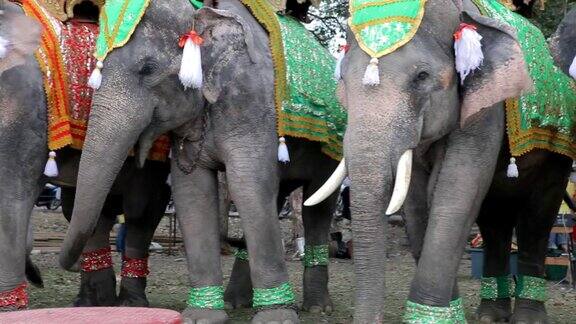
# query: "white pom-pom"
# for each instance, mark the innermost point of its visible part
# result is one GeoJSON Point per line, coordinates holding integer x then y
{"type": "Point", "coordinates": [572, 69]}
{"type": "Point", "coordinates": [191, 67]}
{"type": "Point", "coordinates": [3, 47]}
{"type": "Point", "coordinates": [51, 169]}
{"type": "Point", "coordinates": [283, 155]}
{"type": "Point", "coordinates": [372, 74]}
{"type": "Point", "coordinates": [169, 180]}
{"type": "Point", "coordinates": [512, 169]}
{"type": "Point", "coordinates": [95, 79]}
{"type": "Point", "coordinates": [468, 50]}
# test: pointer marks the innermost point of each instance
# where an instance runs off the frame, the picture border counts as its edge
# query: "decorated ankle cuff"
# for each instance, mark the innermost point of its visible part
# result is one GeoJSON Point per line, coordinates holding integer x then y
{"type": "Point", "coordinates": [241, 254]}
{"type": "Point", "coordinates": [493, 288]}
{"type": "Point", "coordinates": [424, 314]}
{"type": "Point", "coordinates": [16, 298]}
{"type": "Point", "coordinates": [281, 295]}
{"type": "Point", "coordinates": [211, 297]}
{"type": "Point", "coordinates": [532, 288]}
{"type": "Point", "coordinates": [96, 260]}
{"type": "Point", "coordinates": [315, 255]}
{"type": "Point", "coordinates": [134, 268]}
{"type": "Point", "coordinates": [457, 309]}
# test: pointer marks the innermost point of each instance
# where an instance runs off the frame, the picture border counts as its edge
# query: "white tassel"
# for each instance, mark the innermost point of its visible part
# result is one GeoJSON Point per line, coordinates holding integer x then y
{"type": "Point", "coordinates": [51, 169]}
{"type": "Point", "coordinates": [468, 50]}
{"type": "Point", "coordinates": [191, 67]}
{"type": "Point", "coordinates": [512, 169]}
{"type": "Point", "coordinates": [372, 74]}
{"type": "Point", "coordinates": [338, 69]}
{"type": "Point", "coordinates": [572, 69]}
{"type": "Point", "coordinates": [169, 180]}
{"type": "Point", "coordinates": [95, 79]}
{"type": "Point", "coordinates": [283, 155]}
{"type": "Point", "coordinates": [3, 47]}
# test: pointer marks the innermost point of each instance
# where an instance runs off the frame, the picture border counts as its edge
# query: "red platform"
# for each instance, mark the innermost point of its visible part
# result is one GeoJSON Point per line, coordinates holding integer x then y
{"type": "Point", "coordinates": [96, 315]}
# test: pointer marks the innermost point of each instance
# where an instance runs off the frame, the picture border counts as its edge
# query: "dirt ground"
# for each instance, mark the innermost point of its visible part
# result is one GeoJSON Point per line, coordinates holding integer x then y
{"type": "Point", "coordinates": [168, 281]}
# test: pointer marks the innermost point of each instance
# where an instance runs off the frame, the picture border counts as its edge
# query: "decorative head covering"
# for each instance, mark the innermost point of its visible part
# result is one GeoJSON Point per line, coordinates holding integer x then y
{"type": "Point", "coordinates": [382, 26]}
{"type": "Point", "coordinates": [118, 20]}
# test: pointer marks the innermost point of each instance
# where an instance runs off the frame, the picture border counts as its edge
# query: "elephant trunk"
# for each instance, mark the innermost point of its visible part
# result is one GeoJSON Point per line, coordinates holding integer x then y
{"type": "Point", "coordinates": [113, 130]}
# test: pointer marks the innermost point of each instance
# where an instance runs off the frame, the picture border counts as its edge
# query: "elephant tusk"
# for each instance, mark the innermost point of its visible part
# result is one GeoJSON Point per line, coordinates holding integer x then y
{"type": "Point", "coordinates": [402, 183]}
{"type": "Point", "coordinates": [329, 187]}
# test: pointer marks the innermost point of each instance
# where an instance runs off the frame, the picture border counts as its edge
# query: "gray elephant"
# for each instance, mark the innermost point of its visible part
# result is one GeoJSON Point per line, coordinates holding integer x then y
{"type": "Point", "coordinates": [140, 194]}
{"type": "Point", "coordinates": [562, 44]}
{"type": "Point", "coordinates": [230, 125]}
{"type": "Point", "coordinates": [456, 131]}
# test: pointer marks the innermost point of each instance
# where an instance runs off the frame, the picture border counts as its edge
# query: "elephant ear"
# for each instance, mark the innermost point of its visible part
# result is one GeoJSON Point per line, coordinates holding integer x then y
{"type": "Point", "coordinates": [503, 73]}
{"type": "Point", "coordinates": [562, 43]}
{"type": "Point", "coordinates": [221, 31]}
{"type": "Point", "coordinates": [21, 37]}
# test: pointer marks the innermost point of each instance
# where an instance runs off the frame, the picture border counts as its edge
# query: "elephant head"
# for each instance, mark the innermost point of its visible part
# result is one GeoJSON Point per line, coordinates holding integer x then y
{"type": "Point", "coordinates": [19, 36]}
{"type": "Point", "coordinates": [562, 44]}
{"type": "Point", "coordinates": [419, 100]}
{"type": "Point", "coordinates": [141, 97]}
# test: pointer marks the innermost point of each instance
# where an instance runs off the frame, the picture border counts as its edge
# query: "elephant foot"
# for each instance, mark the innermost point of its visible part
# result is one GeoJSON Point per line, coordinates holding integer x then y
{"type": "Point", "coordinates": [276, 316]}
{"type": "Point", "coordinates": [494, 311]}
{"type": "Point", "coordinates": [239, 293]}
{"type": "Point", "coordinates": [527, 311]}
{"type": "Point", "coordinates": [316, 296]}
{"type": "Point", "coordinates": [133, 292]}
{"type": "Point", "coordinates": [97, 288]}
{"type": "Point", "coordinates": [204, 316]}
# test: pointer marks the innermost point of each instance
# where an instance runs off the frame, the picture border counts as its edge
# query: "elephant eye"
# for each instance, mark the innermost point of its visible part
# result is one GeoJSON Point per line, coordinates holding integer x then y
{"type": "Point", "coordinates": [423, 75]}
{"type": "Point", "coordinates": [147, 69]}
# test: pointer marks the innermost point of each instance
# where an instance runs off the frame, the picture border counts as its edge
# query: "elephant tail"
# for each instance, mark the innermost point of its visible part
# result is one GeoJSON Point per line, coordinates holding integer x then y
{"type": "Point", "coordinates": [33, 274]}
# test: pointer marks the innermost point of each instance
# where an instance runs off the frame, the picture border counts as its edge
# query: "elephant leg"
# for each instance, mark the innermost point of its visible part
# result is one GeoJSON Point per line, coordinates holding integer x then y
{"type": "Point", "coordinates": [17, 204]}
{"type": "Point", "coordinates": [316, 221]}
{"type": "Point", "coordinates": [140, 232]}
{"type": "Point", "coordinates": [196, 199]}
{"type": "Point", "coordinates": [238, 293]}
{"type": "Point", "coordinates": [496, 221]}
{"type": "Point", "coordinates": [463, 181]}
{"type": "Point", "coordinates": [256, 202]}
{"type": "Point", "coordinates": [532, 232]}
{"type": "Point", "coordinates": [97, 279]}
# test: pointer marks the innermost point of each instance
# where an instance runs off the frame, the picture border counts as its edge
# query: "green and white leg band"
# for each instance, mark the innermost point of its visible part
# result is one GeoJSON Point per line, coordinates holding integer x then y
{"type": "Point", "coordinates": [457, 309]}
{"type": "Point", "coordinates": [424, 314]}
{"type": "Point", "coordinates": [281, 295]}
{"type": "Point", "coordinates": [211, 297]}
{"type": "Point", "coordinates": [241, 254]}
{"type": "Point", "coordinates": [316, 255]}
{"type": "Point", "coordinates": [532, 288]}
{"type": "Point", "coordinates": [493, 288]}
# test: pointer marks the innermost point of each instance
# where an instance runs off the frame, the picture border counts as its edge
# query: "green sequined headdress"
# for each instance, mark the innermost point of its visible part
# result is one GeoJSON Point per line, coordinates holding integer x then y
{"type": "Point", "coordinates": [382, 26]}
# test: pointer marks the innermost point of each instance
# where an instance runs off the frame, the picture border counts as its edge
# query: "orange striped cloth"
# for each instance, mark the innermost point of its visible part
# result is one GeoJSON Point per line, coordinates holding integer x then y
{"type": "Point", "coordinates": [66, 59]}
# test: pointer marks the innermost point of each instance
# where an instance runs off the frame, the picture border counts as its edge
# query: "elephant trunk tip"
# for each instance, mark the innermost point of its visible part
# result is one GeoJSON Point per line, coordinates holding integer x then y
{"type": "Point", "coordinates": [69, 255]}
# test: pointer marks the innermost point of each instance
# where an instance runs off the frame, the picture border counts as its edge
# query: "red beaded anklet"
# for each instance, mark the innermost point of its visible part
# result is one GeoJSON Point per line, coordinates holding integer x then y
{"type": "Point", "coordinates": [96, 260]}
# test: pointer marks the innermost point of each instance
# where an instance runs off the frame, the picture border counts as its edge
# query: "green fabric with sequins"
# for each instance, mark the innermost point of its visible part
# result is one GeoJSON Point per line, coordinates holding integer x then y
{"type": "Point", "coordinates": [211, 297]}
{"type": "Point", "coordinates": [496, 287]}
{"type": "Point", "coordinates": [532, 288]}
{"type": "Point", "coordinates": [457, 310]}
{"type": "Point", "coordinates": [316, 255]}
{"type": "Point", "coordinates": [312, 110]}
{"type": "Point", "coordinates": [281, 295]}
{"type": "Point", "coordinates": [241, 254]}
{"type": "Point", "coordinates": [118, 20]}
{"type": "Point", "coordinates": [552, 106]}
{"type": "Point", "coordinates": [424, 314]}
{"type": "Point", "coordinates": [382, 26]}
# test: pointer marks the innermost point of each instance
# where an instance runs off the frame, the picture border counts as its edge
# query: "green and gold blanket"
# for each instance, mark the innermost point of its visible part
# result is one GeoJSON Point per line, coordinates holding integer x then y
{"type": "Point", "coordinates": [545, 118]}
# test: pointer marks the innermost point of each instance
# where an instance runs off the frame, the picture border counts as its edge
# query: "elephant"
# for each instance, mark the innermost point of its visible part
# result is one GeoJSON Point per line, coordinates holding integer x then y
{"type": "Point", "coordinates": [141, 194]}
{"type": "Point", "coordinates": [423, 137]}
{"type": "Point", "coordinates": [228, 125]}
{"type": "Point", "coordinates": [560, 44]}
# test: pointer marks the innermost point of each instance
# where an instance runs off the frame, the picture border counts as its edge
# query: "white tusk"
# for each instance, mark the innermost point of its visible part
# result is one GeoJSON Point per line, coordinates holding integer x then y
{"type": "Point", "coordinates": [329, 187]}
{"type": "Point", "coordinates": [402, 183]}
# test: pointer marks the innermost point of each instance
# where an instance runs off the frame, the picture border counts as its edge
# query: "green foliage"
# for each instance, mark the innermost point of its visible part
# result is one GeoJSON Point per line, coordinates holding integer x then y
{"type": "Point", "coordinates": [551, 15]}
